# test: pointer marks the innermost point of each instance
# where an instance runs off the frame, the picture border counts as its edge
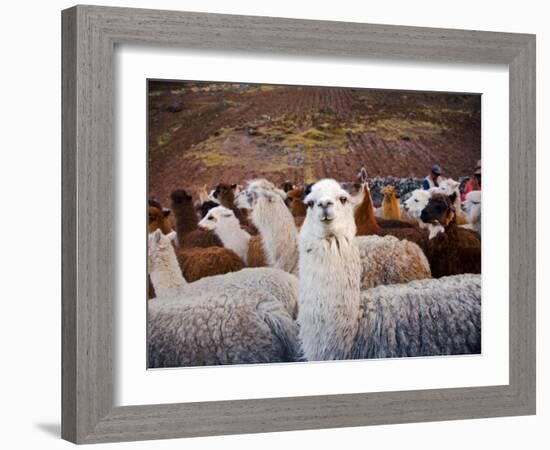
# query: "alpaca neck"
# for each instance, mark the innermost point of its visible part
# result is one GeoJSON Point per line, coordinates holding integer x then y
{"type": "Point", "coordinates": [329, 296]}
{"type": "Point", "coordinates": [228, 200]}
{"type": "Point", "coordinates": [298, 208]}
{"type": "Point", "coordinates": [278, 232]}
{"type": "Point", "coordinates": [165, 273]}
{"type": "Point", "coordinates": [364, 215]}
{"type": "Point", "coordinates": [391, 209]}
{"type": "Point", "coordinates": [234, 238]}
{"type": "Point", "coordinates": [186, 220]}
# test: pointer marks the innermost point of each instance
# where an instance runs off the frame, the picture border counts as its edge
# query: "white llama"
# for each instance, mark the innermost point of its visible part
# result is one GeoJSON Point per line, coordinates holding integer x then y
{"type": "Point", "coordinates": [416, 203]}
{"type": "Point", "coordinates": [472, 211]}
{"type": "Point", "coordinates": [274, 221]}
{"type": "Point", "coordinates": [450, 187]}
{"type": "Point", "coordinates": [338, 321]}
{"type": "Point", "coordinates": [238, 318]}
{"type": "Point", "coordinates": [227, 227]}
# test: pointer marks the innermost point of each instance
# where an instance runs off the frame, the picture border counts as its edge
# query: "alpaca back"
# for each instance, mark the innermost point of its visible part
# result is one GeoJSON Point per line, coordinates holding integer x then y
{"type": "Point", "coordinates": [278, 233]}
{"type": "Point", "coordinates": [325, 266]}
{"type": "Point", "coordinates": [388, 260]}
{"type": "Point", "coordinates": [197, 263]}
{"type": "Point", "coordinates": [422, 318]}
{"type": "Point", "coordinates": [201, 239]}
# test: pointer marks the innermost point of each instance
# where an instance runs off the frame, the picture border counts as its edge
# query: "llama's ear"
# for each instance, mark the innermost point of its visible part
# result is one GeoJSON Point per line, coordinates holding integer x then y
{"type": "Point", "coordinates": [171, 236]}
{"type": "Point", "coordinates": [363, 175]}
{"type": "Point", "coordinates": [154, 237]}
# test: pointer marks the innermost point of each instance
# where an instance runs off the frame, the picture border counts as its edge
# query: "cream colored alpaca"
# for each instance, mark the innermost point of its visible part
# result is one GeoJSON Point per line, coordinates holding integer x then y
{"type": "Point", "coordinates": [338, 321]}
{"type": "Point", "coordinates": [274, 221]}
{"type": "Point", "coordinates": [164, 268]}
{"type": "Point", "coordinates": [227, 227]}
{"type": "Point", "coordinates": [472, 211]}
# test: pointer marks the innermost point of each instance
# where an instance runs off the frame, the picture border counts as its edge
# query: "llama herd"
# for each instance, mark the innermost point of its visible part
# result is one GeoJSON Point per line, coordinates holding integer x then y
{"type": "Point", "coordinates": [260, 274]}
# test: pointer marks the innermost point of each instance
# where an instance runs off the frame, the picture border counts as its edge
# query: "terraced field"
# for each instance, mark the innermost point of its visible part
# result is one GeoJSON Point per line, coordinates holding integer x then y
{"type": "Point", "coordinates": [204, 133]}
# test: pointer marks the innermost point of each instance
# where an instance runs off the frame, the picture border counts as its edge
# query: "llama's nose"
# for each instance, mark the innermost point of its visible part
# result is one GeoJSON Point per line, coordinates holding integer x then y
{"type": "Point", "coordinates": [324, 204]}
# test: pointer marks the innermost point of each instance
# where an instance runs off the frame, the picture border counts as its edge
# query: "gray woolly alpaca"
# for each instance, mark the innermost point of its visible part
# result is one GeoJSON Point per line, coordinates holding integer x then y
{"type": "Point", "coordinates": [421, 318]}
{"type": "Point", "coordinates": [242, 317]}
{"type": "Point", "coordinates": [338, 321]}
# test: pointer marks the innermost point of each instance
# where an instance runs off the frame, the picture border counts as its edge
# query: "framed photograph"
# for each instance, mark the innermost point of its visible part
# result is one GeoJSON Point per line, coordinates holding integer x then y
{"type": "Point", "coordinates": [275, 224]}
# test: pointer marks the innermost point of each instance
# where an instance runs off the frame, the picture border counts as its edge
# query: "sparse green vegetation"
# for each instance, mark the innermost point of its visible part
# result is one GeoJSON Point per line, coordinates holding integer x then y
{"type": "Point", "coordinates": [394, 129]}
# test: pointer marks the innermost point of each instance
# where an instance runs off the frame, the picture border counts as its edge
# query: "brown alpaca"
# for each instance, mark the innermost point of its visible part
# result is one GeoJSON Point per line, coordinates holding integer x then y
{"type": "Point", "coordinates": [455, 250]}
{"type": "Point", "coordinates": [189, 236]}
{"type": "Point", "coordinates": [256, 256]}
{"type": "Point", "coordinates": [367, 224]}
{"type": "Point", "coordinates": [197, 263]}
{"type": "Point", "coordinates": [225, 193]}
{"type": "Point", "coordinates": [391, 209]}
{"type": "Point", "coordinates": [297, 207]}
{"type": "Point", "coordinates": [158, 219]}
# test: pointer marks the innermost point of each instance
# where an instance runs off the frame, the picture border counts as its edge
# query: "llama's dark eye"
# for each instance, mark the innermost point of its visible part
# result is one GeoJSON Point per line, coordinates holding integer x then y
{"type": "Point", "coordinates": [210, 218]}
{"type": "Point", "coordinates": [310, 203]}
{"type": "Point", "coordinates": [416, 201]}
{"type": "Point", "coordinates": [343, 200]}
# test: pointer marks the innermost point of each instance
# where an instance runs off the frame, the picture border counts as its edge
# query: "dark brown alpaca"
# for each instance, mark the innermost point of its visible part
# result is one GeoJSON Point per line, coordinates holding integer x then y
{"type": "Point", "coordinates": [189, 236]}
{"type": "Point", "coordinates": [456, 250]}
{"type": "Point", "coordinates": [225, 193]}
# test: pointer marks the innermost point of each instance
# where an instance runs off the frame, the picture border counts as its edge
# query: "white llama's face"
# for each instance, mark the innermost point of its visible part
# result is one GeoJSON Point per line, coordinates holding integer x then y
{"type": "Point", "coordinates": [448, 186]}
{"type": "Point", "coordinates": [330, 211]}
{"type": "Point", "coordinates": [417, 201]}
{"type": "Point", "coordinates": [472, 205]}
{"type": "Point", "coordinates": [158, 242]}
{"type": "Point", "coordinates": [248, 198]}
{"type": "Point", "coordinates": [218, 217]}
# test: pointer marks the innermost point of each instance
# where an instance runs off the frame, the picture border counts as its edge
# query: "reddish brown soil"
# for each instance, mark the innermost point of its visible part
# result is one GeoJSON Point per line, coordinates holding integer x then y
{"type": "Point", "coordinates": [207, 133]}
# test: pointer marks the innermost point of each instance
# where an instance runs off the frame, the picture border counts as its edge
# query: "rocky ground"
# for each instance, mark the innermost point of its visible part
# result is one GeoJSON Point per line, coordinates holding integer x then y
{"type": "Point", "coordinates": [204, 133]}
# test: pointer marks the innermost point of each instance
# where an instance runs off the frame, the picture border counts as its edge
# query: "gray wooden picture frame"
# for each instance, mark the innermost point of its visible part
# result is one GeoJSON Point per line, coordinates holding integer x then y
{"type": "Point", "coordinates": [90, 34]}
